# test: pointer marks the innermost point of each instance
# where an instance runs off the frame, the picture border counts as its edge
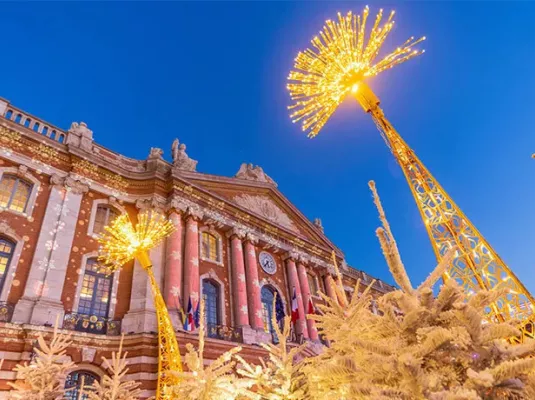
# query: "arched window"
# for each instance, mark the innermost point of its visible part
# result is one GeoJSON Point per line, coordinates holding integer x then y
{"type": "Point", "coordinates": [267, 295]}
{"type": "Point", "coordinates": [94, 297]}
{"type": "Point", "coordinates": [14, 193]}
{"type": "Point", "coordinates": [18, 118]}
{"type": "Point", "coordinates": [36, 127]}
{"type": "Point", "coordinates": [6, 254]}
{"type": "Point", "coordinates": [210, 247]}
{"type": "Point", "coordinates": [61, 138]}
{"type": "Point", "coordinates": [210, 294]}
{"type": "Point", "coordinates": [27, 122]}
{"type": "Point", "coordinates": [9, 114]}
{"type": "Point", "coordinates": [74, 382]}
{"type": "Point", "coordinates": [104, 216]}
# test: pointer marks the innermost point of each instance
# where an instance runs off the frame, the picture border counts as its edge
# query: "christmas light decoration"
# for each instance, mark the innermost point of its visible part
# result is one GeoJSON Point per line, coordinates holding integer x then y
{"type": "Point", "coordinates": [122, 242]}
{"type": "Point", "coordinates": [340, 63]}
{"type": "Point", "coordinates": [342, 60]}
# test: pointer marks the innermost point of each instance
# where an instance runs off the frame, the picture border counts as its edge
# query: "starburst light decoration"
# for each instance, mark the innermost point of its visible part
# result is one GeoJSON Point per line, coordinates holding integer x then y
{"type": "Point", "coordinates": [123, 242]}
{"type": "Point", "coordinates": [342, 58]}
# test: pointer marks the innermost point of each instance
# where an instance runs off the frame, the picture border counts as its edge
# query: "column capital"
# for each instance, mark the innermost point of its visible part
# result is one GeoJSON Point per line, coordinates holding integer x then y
{"type": "Point", "coordinates": [249, 237]}
{"type": "Point", "coordinates": [194, 212]}
{"type": "Point", "coordinates": [69, 183]}
{"type": "Point", "coordinates": [291, 256]}
{"type": "Point", "coordinates": [303, 259]}
{"type": "Point", "coordinates": [176, 204]}
{"type": "Point", "coordinates": [236, 232]}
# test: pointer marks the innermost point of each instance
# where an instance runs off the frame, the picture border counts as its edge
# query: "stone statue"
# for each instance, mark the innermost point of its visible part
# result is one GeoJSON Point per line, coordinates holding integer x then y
{"type": "Point", "coordinates": [253, 173]}
{"type": "Point", "coordinates": [318, 224]}
{"type": "Point", "coordinates": [155, 153]}
{"type": "Point", "coordinates": [79, 135]}
{"type": "Point", "coordinates": [174, 150]}
{"type": "Point", "coordinates": [181, 160]}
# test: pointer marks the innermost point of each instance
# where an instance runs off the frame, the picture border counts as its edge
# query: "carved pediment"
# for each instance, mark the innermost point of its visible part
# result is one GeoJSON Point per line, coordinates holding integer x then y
{"type": "Point", "coordinates": [266, 208]}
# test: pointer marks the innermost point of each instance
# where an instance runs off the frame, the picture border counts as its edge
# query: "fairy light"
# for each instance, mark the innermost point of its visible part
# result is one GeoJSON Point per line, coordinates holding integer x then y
{"type": "Point", "coordinates": [122, 241]}
{"type": "Point", "coordinates": [341, 58]}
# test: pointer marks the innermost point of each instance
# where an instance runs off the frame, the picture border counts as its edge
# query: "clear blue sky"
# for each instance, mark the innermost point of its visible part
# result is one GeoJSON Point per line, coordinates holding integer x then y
{"type": "Point", "coordinates": [214, 75]}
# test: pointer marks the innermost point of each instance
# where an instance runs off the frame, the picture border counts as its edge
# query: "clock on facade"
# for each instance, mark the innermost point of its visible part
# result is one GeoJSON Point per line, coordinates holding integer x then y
{"type": "Point", "coordinates": [267, 262]}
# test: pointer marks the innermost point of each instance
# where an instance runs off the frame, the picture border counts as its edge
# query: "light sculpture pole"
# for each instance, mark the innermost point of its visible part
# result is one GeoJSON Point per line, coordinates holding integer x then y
{"type": "Point", "coordinates": [344, 56]}
{"type": "Point", "coordinates": [123, 242]}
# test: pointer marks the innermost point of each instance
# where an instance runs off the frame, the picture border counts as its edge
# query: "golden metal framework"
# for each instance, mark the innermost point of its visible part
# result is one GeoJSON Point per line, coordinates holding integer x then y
{"type": "Point", "coordinates": [169, 358]}
{"type": "Point", "coordinates": [476, 265]}
{"type": "Point", "coordinates": [121, 243]}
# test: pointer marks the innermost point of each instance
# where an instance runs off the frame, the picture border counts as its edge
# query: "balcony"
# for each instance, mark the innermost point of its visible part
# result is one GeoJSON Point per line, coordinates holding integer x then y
{"type": "Point", "coordinates": [91, 324]}
{"type": "Point", "coordinates": [222, 332]}
{"type": "Point", "coordinates": [6, 311]}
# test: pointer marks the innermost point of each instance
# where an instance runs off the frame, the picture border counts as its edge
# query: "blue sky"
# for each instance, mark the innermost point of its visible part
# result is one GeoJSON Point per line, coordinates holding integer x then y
{"type": "Point", "coordinates": [214, 75]}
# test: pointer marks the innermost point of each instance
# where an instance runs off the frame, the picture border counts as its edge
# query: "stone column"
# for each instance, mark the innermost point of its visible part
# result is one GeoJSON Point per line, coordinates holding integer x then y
{"type": "Point", "coordinates": [41, 301]}
{"type": "Point", "coordinates": [305, 290]}
{"type": "Point", "coordinates": [173, 263]}
{"type": "Point", "coordinates": [329, 287]}
{"type": "Point", "coordinates": [241, 311]}
{"type": "Point", "coordinates": [253, 285]}
{"type": "Point", "coordinates": [191, 258]}
{"type": "Point", "coordinates": [293, 279]}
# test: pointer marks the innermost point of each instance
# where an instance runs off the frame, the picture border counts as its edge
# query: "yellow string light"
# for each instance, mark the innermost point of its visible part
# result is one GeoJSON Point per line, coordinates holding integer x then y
{"type": "Point", "coordinates": [339, 62]}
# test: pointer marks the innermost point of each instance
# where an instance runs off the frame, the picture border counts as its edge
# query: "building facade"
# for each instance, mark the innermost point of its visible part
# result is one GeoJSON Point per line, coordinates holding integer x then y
{"type": "Point", "coordinates": [238, 241]}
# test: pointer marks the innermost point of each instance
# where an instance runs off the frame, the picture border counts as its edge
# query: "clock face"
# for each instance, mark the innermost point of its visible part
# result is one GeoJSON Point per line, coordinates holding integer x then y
{"type": "Point", "coordinates": [267, 262]}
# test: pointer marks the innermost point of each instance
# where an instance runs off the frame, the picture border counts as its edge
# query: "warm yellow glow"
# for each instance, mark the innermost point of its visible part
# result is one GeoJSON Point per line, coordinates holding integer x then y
{"type": "Point", "coordinates": [122, 242]}
{"type": "Point", "coordinates": [339, 60]}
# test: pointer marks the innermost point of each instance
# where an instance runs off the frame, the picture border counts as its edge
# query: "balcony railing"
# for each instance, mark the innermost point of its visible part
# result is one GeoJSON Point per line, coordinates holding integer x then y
{"type": "Point", "coordinates": [91, 324]}
{"type": "Point", "coordinates": [222, 332]}
{"type": "Point", "coordinates": [6, 311]}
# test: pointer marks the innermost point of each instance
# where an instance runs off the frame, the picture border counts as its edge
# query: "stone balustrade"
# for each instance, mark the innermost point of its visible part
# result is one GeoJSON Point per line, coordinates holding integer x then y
{"type": "Point", "coordinates": [33, 123]}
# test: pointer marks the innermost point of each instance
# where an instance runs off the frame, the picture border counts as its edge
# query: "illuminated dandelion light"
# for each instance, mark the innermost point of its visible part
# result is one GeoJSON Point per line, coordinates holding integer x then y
{"type": "Point", "coordinates": [342, 58]}
{"type": "Point", "coordinates": [122, 241]}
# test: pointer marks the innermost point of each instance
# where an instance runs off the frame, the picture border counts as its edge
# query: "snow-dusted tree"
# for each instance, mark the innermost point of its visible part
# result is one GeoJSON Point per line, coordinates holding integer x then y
{"type": "Point", "coordinates": [44, 377]}
{"type": "Point", "coordinates": [217, 381]}
{"type": "Point", "coordinates": [113, 386]}
{"type": "Point", "coordinates": [280, 377]}
{"type": "Point", "coordinates": [421, 346]}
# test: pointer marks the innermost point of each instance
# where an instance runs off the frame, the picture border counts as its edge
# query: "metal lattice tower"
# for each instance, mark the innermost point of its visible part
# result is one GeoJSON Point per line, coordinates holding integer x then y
{"type": "Point", "coordinates": [476, 265]}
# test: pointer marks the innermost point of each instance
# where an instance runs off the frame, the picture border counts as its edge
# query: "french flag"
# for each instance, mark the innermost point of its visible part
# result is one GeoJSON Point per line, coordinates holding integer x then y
{"type": "Point", "coordinates": [311, 308]}
{"type": "Point", "coordinates": [295, 309]}
{"type": "Point", "coordinates": [189, 324]}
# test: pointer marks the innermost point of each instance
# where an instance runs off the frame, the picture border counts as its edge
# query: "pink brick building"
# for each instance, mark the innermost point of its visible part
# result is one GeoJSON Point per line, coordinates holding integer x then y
{"type": "Point", "coordinates": [238, 242]}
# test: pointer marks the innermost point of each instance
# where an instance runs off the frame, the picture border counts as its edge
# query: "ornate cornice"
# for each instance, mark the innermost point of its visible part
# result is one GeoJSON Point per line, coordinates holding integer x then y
{"type": "Point", "coordinates": [7, 230]}
{"type": "Point", "coordinates": [236, 232]}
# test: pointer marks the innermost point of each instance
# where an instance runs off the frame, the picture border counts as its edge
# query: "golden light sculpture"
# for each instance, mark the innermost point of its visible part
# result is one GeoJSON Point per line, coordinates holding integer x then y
{"type": "Point", "coordinates": [123, 242]}
{"type": "Point", "coordinates": [344, 56]}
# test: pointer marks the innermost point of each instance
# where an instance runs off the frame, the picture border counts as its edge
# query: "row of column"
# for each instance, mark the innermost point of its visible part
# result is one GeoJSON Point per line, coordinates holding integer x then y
{"type": "Point", "coordinates": [247, 303]}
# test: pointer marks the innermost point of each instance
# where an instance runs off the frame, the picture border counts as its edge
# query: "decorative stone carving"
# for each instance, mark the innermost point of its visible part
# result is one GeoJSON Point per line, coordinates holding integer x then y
{"type": "Point", "coordinates": [292, 255]}
{"type": "Point", "coordinates": [88, 354]}
{"type": "Point", "coordinates": [7, 230]}
{"type": "Point", "coordinates": [69, 182]}
{"type": "Point", "coordinates": [236, 231]}
{"type": "Point", "coordinates": [181, 161]}
{"type": "Point", "coordinates": [153, 203]}
{"type": "Point", "coordinates": [265, 208]}
{"type": "Point", "coordinates": [318, 224]}
{"type": "Point", "coordinates": [80, 136]}
{"type": "Point", "coordinates": [155, 154]}
{"type": "Point", "coordinates": [253, 173]}
{"type": "Point", "coordinates": [195, 212]}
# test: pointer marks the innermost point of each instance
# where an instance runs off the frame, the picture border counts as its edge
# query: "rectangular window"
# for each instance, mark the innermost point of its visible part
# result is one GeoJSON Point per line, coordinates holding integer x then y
{"type": "Point", "coordinates": [210, 247]}
{"type": "Point", "coordinates": [104, 216]}
{"type": "Point", "coordinates": [312, 284]}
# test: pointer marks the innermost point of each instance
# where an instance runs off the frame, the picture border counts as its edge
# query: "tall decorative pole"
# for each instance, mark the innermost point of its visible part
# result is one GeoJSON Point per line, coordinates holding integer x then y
{"type": "Point", "coordinates": [122, 242]}
{"type": "Point", "coordinates": [340, 63]}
